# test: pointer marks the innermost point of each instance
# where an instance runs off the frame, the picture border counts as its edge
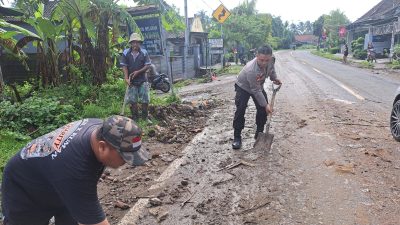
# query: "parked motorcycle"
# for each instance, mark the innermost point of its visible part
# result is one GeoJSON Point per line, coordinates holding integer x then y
{"type": "Point", "coordinates": [158, 81]}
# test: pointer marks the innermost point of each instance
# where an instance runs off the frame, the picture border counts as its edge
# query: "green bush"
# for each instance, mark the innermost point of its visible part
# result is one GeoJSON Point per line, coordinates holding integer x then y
{"type": "Point", "coordinates": [395, 64]}
{"type": "Point", "coordinates": [35, 115]}
{"type": "Point", "coordinates": [11, 142]}
{"type": "Point", "coordinates": [360, 54]}
{"type": "Point", "coordinates": [334, 50]}
{"type": "Point", "coordinates": [357, 47]}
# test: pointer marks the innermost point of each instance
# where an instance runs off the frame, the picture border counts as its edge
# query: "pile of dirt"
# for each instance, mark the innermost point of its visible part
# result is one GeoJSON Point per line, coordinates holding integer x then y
{"type": "Point", "coordinates": [120, 189]}
{"type": "Point", "coordinates": [178, 123]}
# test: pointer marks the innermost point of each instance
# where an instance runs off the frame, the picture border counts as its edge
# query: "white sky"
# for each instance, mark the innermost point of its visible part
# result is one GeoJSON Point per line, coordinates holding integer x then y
{"type": "Point", "coordinates": [289, 10]}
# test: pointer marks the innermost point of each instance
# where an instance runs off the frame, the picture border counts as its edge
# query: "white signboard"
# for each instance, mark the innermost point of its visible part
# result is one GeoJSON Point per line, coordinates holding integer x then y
{"type": "Point", "coordinates": [216, 42]}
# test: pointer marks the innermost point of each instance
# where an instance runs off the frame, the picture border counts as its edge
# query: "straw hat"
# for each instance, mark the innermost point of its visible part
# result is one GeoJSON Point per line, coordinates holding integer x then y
{"type": "Point", "coordinates": [135, 37]}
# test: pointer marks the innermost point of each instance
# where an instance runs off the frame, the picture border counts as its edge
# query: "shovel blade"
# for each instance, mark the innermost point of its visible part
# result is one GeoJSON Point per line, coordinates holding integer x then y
{"type": "Point", "coordinates": [264, 142]}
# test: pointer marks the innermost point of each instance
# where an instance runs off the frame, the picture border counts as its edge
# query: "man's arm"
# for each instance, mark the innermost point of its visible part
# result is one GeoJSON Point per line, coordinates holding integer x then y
{"type": "Point", "coordinates": [124, 65]}
{"type": "Point", "coordinates": [137, 72]}
{"type": "Point", "coordinates": [147, 63]}
{"type": "Point", "coordinates": [272, 74]}
{"type": "Point", "coordinates": [79, 196]}
{"type": "Point", "coordinates": [126, 75]}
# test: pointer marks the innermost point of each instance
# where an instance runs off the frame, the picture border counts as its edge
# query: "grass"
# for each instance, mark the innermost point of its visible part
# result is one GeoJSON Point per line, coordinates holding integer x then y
{"type": "Point", "coordinates": [395, 64]}
{"type": "Point", "coordinates": [232, 69]}
{"type": "Point", "coordinates": [366, 64]}
{"type": "Point", "coordinates": [10, 144]}
{"type": "Point", "coordinates": [327, 55]}
{"type": "Point", "coordinates": [183, 83]}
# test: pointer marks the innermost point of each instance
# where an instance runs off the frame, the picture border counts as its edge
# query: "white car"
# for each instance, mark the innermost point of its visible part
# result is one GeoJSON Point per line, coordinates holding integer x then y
{"type": "Point", "coordinates": [395, 116]}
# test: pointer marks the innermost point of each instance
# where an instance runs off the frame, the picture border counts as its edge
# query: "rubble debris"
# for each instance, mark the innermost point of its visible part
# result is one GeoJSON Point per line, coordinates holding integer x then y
{"type": "Point", "coordinates": [329, 162]}
{"type": "Point", "coordinates": [121, 205]}
{"type": "Point", "coordinates": [348, 168]}
{"type": "Point", "coordinates": [155, 202]}
{"type": "Point", "coordinates": [162, 217]}
{"type": "Point", "coordinates": [241, 162]}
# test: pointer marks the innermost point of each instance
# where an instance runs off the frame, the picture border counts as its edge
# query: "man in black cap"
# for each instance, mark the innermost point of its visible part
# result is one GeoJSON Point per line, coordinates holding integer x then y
{"type": "Point", "coordinates": [57, 174]}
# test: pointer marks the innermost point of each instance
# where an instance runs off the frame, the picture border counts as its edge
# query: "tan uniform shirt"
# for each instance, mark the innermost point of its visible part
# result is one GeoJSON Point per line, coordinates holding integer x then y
{"type": "Point", "coordinates": [252, 78]}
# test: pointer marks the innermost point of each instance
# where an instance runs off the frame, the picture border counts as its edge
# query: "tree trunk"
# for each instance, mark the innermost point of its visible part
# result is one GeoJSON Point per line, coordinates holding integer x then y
{"type": "Point", "coordinates": [102, 49]}
{"type": "Point", "coordinates": [52, 56]}
{"type": "Point", "coordinates": [1, 82]}
{"type": "Point", "coordinates": [42, 67]}
{"type": "Point", "coordinates": [17, 95]}
{"type": "Point", "coordinates": [88, 51]}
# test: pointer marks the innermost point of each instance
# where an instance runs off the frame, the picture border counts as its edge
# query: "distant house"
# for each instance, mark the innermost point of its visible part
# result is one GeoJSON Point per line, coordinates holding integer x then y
{"type": "Point", "coordinates": [306, 39]}
{"type": "Point", "coordinates": [380, 25]}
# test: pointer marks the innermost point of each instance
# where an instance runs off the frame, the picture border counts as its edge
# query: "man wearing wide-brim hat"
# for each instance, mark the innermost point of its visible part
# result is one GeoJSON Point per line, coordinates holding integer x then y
{"type": "Point", "coordinates": [135, 61]}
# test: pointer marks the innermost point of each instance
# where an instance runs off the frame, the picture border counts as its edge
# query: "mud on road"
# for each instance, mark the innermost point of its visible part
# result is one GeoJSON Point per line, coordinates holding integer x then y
{"type": "Point", "coordinates": [331, 163]}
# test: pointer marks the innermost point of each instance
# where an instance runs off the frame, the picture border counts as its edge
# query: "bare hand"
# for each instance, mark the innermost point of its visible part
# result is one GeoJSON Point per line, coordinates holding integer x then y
{"type": "Point", "coordinates": [268, 109]}
{"type": "Point", "coordinates": [134, 74]}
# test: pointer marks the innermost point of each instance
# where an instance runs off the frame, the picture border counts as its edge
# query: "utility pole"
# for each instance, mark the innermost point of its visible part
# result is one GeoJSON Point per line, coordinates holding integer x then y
{"type": "Point", "coordinates": [223, 49]}
{"type": "Point", "coordinates": [185, 49]}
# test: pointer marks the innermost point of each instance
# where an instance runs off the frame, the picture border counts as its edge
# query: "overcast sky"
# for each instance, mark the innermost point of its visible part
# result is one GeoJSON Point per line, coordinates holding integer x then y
{"type": "Point", "coordinates": [289, 10]}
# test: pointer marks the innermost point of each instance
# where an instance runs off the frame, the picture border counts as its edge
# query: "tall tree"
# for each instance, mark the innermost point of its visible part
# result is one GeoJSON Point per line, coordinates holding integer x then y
{"type": "Point", "coordinates": [318, 27]}
{"type": "Point", "coordinates": [308, 27]}
{"type": "Point", "coordinates": [247, 8]}
{"type": "Point", "coordinates": [332, 23]}
{"type": "Point", "coordinates": [277, 27]}
{"type": "Point", "coordinates": [170, 18]}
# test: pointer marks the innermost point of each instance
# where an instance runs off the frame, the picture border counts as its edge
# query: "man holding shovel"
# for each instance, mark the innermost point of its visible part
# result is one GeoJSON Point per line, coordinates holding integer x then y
{"type": "Point", "coordinates": [135, 61]}
{"type": "Point", "coordinates": [250, 83]}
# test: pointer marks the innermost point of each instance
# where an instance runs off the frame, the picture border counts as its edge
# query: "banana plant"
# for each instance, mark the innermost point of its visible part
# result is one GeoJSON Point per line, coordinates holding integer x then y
{"type": "Point", "coordinates": [93, 29]}
{"type": "Point", "coordinates": [9, 42]}
{"type": "Point", "coordinates": [48, 53]}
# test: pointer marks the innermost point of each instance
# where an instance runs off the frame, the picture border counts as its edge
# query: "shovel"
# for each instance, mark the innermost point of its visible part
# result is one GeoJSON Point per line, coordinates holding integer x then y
{"type": "Point", "coordinates": [264, 140]}
{"type": "Point", "coordinates": [126, 95]}
{"type": "Point", "coordinates": [124, 104]}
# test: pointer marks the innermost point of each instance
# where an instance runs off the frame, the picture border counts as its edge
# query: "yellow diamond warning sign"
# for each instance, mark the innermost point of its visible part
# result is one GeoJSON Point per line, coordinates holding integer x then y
{"type": "Point", "coordinates": [221, 13]}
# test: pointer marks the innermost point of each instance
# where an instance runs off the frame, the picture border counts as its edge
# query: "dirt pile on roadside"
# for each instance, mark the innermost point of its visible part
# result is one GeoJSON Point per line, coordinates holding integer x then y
{"type": "Point", "coordinates": [178, 123]}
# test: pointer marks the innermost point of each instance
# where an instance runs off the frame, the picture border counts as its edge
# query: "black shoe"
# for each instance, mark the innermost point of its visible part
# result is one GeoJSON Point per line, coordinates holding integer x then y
{"type": "Point", "coordinates": [237, 143]}
{"type": "Point", "coordinates": [256, 135]}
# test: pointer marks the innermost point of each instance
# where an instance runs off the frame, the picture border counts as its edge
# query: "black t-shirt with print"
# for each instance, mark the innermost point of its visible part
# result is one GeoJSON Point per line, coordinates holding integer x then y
{"type": "Point", "coordinates": [55, 171]}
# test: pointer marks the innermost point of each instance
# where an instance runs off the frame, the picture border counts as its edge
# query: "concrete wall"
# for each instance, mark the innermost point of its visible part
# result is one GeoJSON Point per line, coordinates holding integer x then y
{"type": "Point", "coordinates": [177, 66]}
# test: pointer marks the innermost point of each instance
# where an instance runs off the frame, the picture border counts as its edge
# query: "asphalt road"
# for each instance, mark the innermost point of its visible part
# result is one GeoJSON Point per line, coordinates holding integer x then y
{"type": "Point", "coordinates": [333, 160]}
{"type": "Point", "coordinates": [340, 81]}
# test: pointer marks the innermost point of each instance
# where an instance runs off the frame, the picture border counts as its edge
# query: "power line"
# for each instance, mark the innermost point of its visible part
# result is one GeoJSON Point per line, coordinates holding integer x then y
{"type": "Point", "coordinates": [206, 4]}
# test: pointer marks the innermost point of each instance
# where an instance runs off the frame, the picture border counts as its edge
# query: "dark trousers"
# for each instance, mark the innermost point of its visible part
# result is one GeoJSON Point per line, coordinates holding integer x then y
{"type": "Point", "coordinates": [241, 100]}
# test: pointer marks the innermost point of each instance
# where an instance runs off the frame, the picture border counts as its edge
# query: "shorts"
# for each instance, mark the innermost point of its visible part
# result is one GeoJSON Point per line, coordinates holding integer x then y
{"type": "Point", "coordinates": [139, 94]}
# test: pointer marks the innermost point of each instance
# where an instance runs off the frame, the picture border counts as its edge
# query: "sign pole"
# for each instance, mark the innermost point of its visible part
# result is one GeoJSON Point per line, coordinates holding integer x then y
{"type": "Point", "coordinates": [223, 51]}
{"type": "Point", "coordinates": [185, 48]}
{"type": "Point", "coordinates": [167, 58]}
{"type": "Point", "coordinates": [221, 14]}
